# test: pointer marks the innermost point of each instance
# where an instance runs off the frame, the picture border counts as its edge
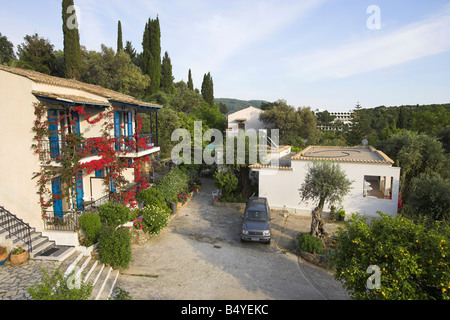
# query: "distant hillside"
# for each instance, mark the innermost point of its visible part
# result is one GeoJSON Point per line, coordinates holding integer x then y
{"type": "Point", "coordinates": [236, 105]}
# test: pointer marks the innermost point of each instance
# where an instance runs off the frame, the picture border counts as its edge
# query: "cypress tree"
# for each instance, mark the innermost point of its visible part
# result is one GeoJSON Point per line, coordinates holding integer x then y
{"type": "Point", "coordinates": [208, 89]}
{"type": "Point", "coordinates": [119, 37]}
{"type": "Point", "coordinates": [166, 74]}
{"type": "Point", "coordinates": [151, 54]}
{"type": "Point", "coordinates": [190, 83]}
{"type": "Point", "coordinates": [72, 49]}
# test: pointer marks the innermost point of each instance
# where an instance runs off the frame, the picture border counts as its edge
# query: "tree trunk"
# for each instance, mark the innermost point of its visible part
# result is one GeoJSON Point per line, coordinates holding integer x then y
{"type": "Point", "coordinates": [317, 222]}
{"type": "Point", "coordinates": [245, 180]}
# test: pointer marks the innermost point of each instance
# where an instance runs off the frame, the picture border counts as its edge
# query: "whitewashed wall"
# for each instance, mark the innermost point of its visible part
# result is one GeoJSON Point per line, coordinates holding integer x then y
{"type": "Point", "coordinates": [281, 189]}
{"type": "Point", "coordinates": [252, 116]}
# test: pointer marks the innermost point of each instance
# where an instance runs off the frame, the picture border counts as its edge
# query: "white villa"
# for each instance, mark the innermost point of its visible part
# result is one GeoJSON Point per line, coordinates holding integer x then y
{"type": "Point", "coordinates": [68, 107]}
{"type": "Point", "coordinates": [244, 119]}
{"type": "Point", "coordinates": [375, 180]}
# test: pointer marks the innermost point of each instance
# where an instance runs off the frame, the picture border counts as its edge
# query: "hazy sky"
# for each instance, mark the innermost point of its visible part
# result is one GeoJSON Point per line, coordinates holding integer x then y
{"type": "Point", "coordinates": [327, 54]}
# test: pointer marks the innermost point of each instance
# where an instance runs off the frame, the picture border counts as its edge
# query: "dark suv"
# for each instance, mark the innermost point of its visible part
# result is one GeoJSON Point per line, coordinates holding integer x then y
{"type": "Point", "coordinates": [256, 221]}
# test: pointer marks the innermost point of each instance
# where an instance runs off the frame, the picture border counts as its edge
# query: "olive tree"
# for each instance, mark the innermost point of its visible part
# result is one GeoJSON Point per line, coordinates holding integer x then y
{"type": "Point", "coordinates": [324, 182]}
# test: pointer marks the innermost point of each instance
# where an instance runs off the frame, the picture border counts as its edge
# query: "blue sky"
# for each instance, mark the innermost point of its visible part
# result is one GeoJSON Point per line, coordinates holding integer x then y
{"type": "Point", "coordinates": [316, 53]}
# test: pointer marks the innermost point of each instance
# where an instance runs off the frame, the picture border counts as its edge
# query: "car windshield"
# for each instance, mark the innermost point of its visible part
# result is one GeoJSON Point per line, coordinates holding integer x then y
{"type": "Point", "coordinates": [256, 215]}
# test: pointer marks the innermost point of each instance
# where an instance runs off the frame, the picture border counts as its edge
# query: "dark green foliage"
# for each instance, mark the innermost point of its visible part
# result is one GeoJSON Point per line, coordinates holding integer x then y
{"type": "Point", "coordinates": [177, 181]}
{"type": "Point", "coordinates": [208, 89]}
{"type": "Point", "coordinates": [152, 196]}
{"type": "Point", "coordinates": [72, 50]}
{"type": "Point", "coordinates": [429, 197]}
{"type": "Point", "coordinates": [151, 54]}
{"type": "Point", "coordinates": [211, 116]}
{"type": "Point", "coordinates": [6, 50]}
{"type": "Point", "coordinates": [115, 246]}
{"type": "Point", "coordinates": [236, 105]}
{"type": "Point", "coordinates": [114, 71]}
{"type": "Point", "coordinates": [91, 225]}
{"type": "Point", "coordinates": [226, 182]}
{"type": "Point", "coordinates": [190, 83]}
{"type": "Point", "coordinates": [310, 244]}
{"type": "Point", "coordinates": [168, 187]}
{"type": "Point", "coordinates": [166, 75]}
{"type": "Point", "coordinates": [36, 53]}
{"type": "Point", "coordinates": [130, 50]}
{"type": "Point", "coordinates": [223, 108]}
{"type": "Point", "coordinates": [291, 122]}
{"type": "Point", "coordinates": [415, 154]}
{"type": "Point", "coordinates": [113, 214]}
{"type": "Point", "coordinates": [119, 37]}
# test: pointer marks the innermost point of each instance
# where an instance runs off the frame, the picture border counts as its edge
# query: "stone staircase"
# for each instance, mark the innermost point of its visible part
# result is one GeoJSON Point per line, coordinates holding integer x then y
{"type": "Point", "coordinates": [87, 268]}
{"type": "Point", "coordinates": [84, 266]}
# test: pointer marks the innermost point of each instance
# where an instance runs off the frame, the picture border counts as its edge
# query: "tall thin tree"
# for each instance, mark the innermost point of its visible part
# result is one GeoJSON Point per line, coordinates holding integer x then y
{"type": "Point", "coordinates": [166, 74]}
{"type": "Point", "coordinates": [208, 89]}
{"type": "Point", "coordinates": [190, 83]}
{"type": "Point", "coordinates": [151, 53]}
{"type": "Point", "coordinates": [72, 49]}
{"type": "Point", "coordinates": [119, 37]}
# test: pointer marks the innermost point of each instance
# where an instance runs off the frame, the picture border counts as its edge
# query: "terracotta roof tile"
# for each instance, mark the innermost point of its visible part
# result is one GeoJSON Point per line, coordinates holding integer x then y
{"type": "Point", "coordinates": [74, 84]}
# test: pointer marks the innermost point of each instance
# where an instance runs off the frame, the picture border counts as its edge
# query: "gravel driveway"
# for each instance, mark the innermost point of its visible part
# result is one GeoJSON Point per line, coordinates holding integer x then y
{"type": "Point", "coordinates": [199, 256]}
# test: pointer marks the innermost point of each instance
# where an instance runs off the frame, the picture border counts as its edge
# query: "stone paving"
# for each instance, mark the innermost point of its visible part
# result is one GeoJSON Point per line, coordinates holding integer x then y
{"type": "Point", "coordinates": [15, 280]}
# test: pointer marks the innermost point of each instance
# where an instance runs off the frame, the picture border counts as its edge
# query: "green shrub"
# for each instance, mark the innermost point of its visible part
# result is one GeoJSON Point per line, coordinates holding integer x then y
{"type": "Point", "coordinates": [91, 224]}
{"type": "Point", "coordinates": [169, 186]}
{"type": "Point", "coordinates": [155, 219]}
{"type": "Point", "coordinates": [114, 246]}
{"type": "Point", "coordinates": [114, 214]}
{"type": "Point", "coordinates": [311, 244]}
{"type": "Point", "coordinates": [226, 182]}
{"type": "Point", "coordinates": [412, 258]}
{"type": "Point", "coordinates": [152, 196]}
{"type": "Point", "coordinates": [56, 287]}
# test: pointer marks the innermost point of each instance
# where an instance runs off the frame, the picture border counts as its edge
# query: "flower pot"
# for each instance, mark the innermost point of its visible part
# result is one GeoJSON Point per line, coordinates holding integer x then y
{"type": "Point", "coordinates": [3, 255]}
{"type": "Point", "coordinates": [20, 258]}
{"type": "Point", "coordinates": [3, 258]}
{"type": "Point", "coordinates": [179, 205]}
{"type": "Point", "coordinates": [173, 206]}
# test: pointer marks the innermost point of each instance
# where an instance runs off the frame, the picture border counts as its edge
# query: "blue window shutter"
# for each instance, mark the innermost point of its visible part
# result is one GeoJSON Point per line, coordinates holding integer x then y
{"type": "Point", "coordinates": [57, 204]}
{"type": "Point", "coordinates": [130, 128]}
{"type": "Point", "coordinates": [130, 124]}
{"type": "Point", "coordinates": [98, 173]}
{"type": "Point", "coordinates": [80, 191]}
{"type": "Point", "coordinates": [53, 136]}
{"type": "Point", "coordinates": [117, 128]}
{"type": "Point", "coordinates": [76, 118]}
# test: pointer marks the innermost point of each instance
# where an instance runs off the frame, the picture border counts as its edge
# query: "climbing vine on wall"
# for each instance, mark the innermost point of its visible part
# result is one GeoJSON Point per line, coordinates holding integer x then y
{"type": "Point", "coordinates": [73, 147]}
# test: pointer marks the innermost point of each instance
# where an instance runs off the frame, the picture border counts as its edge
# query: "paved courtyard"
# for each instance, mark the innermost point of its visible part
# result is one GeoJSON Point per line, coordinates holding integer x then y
{"type": "Point", "coordinates": [199, 256]}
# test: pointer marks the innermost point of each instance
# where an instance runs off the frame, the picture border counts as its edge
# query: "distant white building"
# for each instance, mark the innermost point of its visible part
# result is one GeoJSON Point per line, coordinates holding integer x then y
{"type": "Point", "coordinates": [244, 119]}
{"type": "Point", "coordinates": [375, 180]}
{"type": "Point", "coordinates": [344, 117]}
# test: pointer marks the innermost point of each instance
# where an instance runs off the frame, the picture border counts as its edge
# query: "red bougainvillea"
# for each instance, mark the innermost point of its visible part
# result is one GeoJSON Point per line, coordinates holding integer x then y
{"type": "Point", "coordinates": [75, 148]}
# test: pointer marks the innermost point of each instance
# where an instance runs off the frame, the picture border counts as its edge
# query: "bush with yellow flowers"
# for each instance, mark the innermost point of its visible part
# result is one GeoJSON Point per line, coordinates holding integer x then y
{"type": "Point", "coordinates": [393, 258]}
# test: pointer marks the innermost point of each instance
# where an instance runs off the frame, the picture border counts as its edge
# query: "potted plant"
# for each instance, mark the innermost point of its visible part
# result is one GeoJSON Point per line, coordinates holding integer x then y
{"type": "Point", "coordinates": [196, 188]}
{"type": "Point", "coordinates": [341, 214]}
{"type": "Point", "coordinates": [18, 256]}
{"type": "Point", "coordinates": [3, 255]}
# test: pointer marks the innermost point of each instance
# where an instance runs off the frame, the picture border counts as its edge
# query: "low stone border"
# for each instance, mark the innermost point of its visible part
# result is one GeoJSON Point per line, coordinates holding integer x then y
{"type": "Point", "coordinates": [316, 259]}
